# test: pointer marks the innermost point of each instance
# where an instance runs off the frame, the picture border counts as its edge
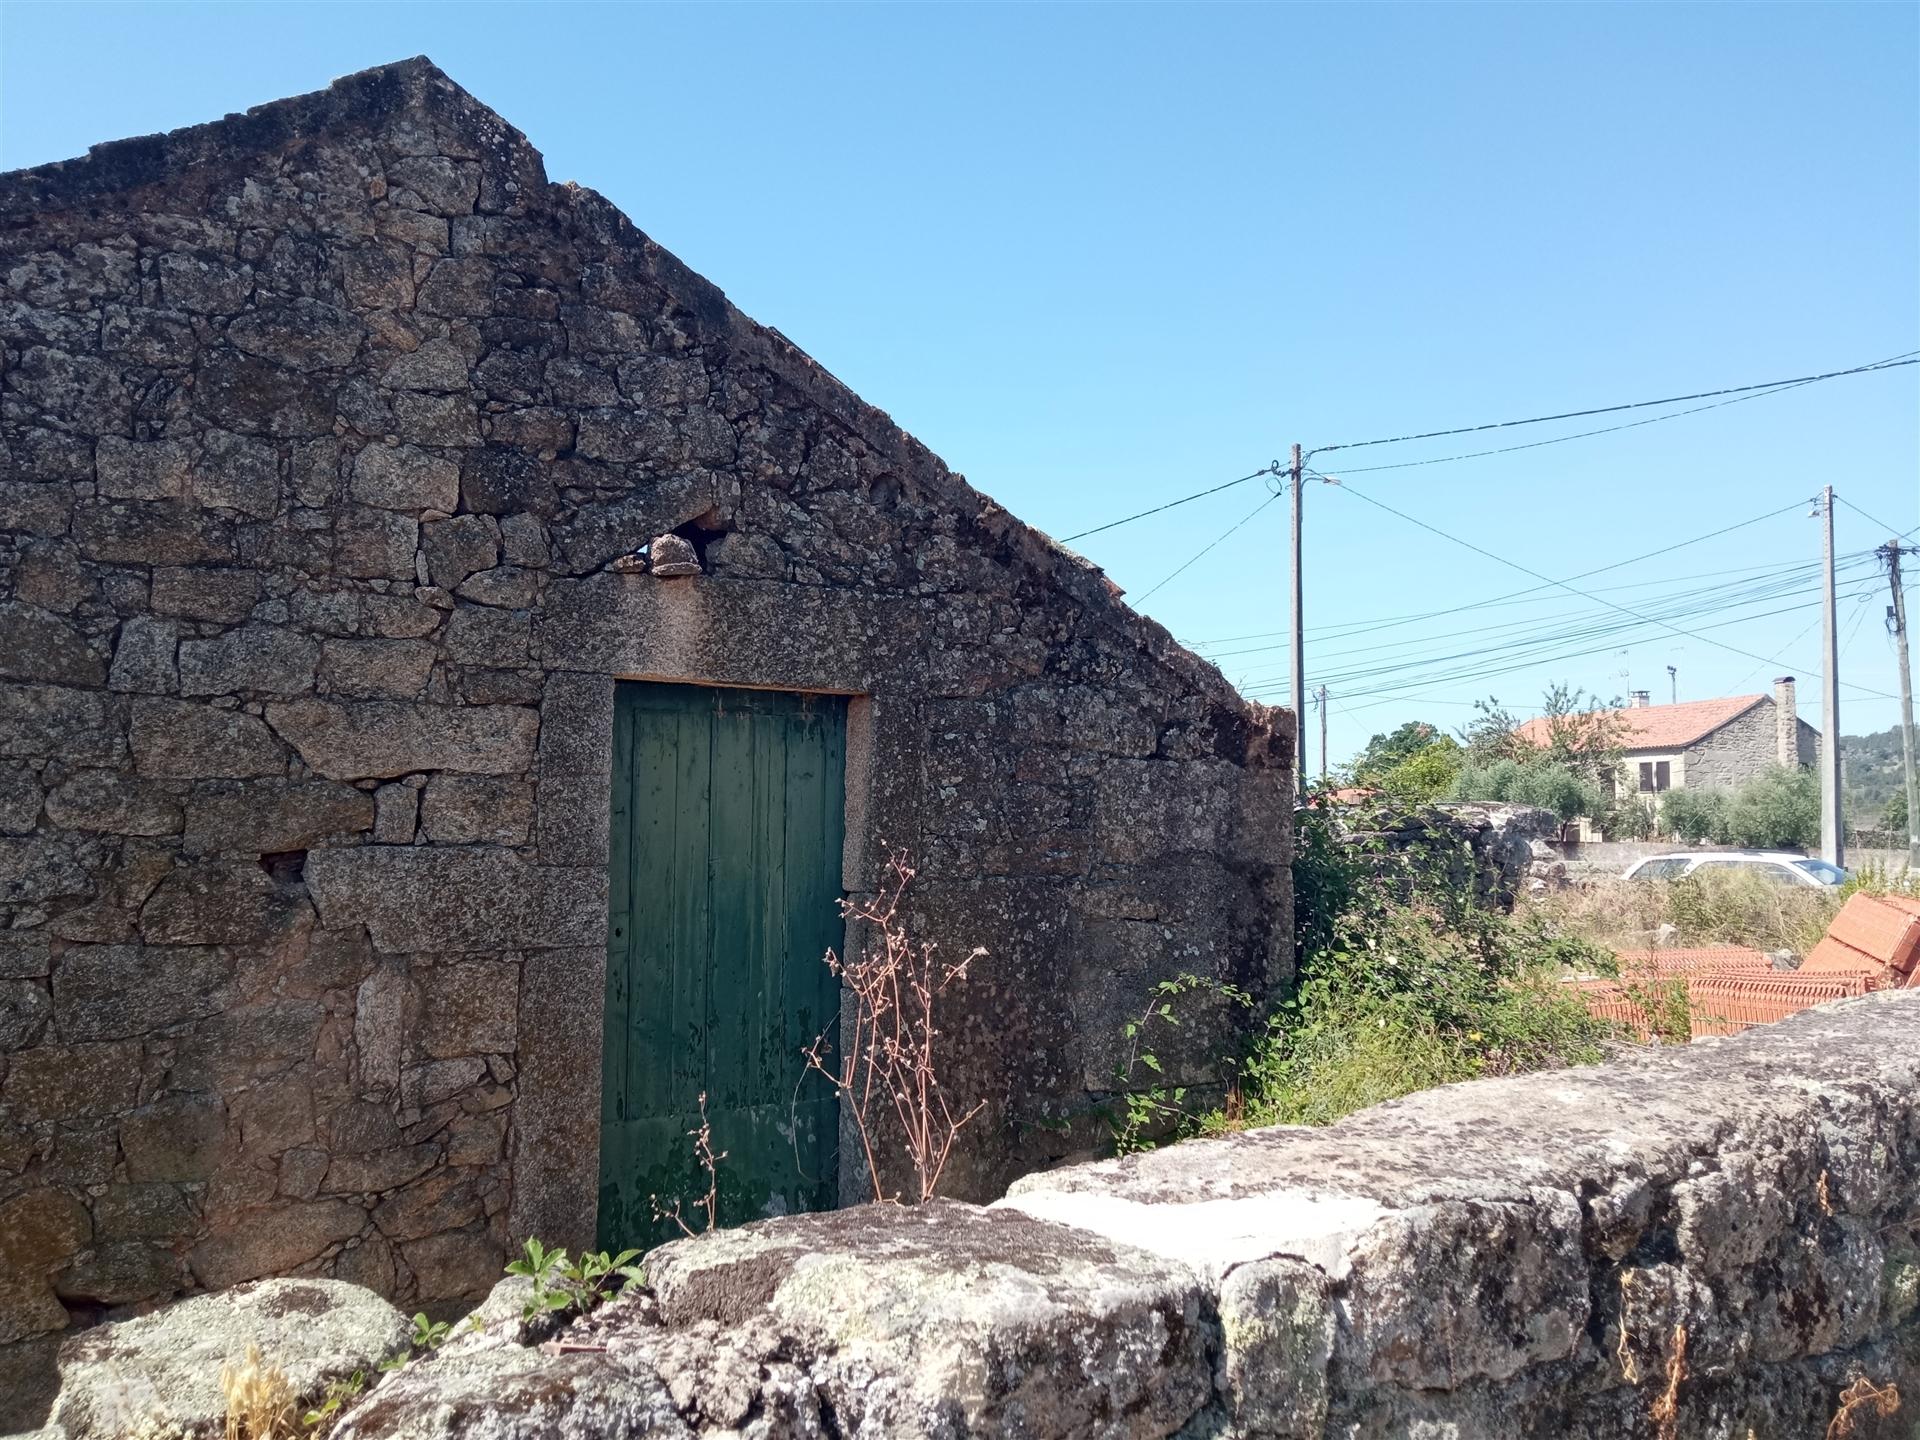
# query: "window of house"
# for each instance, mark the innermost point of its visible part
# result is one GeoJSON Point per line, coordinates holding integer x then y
{"type": "Point", "coordinates": [1655, 776]}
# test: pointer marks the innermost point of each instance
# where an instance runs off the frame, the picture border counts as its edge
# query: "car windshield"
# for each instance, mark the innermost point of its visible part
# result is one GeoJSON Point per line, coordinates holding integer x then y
{"type": "Point", "coordinates": [1823, 872]}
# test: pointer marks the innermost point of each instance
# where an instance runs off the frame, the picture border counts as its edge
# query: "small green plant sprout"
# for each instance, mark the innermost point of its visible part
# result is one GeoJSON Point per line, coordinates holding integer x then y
{"type": "Point", "coordinates": [561, 1283]}
{"type": "Point", "coordinates": [429, 1334]}
{"type": "Point", "coordinates": [337, 1393]}
{"type": "Point", "coordinates": [1157, 1107]}
{"type": "Point", "coordinates": [709, 1203]}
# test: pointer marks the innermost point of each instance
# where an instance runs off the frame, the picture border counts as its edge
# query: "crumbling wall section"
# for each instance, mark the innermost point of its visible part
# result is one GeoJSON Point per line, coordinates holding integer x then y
{"type": "Point", "coordinates": [322, 426]}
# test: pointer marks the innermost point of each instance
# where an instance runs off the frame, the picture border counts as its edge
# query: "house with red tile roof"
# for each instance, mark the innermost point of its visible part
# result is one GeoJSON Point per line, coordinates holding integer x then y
{"type": "Point", "coordinates": [1721, 743]}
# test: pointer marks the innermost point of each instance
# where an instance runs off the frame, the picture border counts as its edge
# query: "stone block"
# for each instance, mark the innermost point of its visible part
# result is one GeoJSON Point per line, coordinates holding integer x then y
{"type": "Point", "coordinates": [38, 867]}
{"type": "Point", "coordinates": [506, 587]}
{"type": "Point", "coordinates": [148, 1211]}
{"type": "Point", "coordinates": [142, 469]}
{"type": "Point", "coordinates": [71, 1082]}
{"type": "Point", "coordinates": [556, 1130]}
{"type": "Point", "coordinates": [235, 472]}
{"type": "Point", "coordinates": [83, 727]}
{"type": "Point", "coordinates": [436, 365]}
{"type": "Point", "coordinates": [477, 810]}
{"type": "Point", "coordinates": [398, 617]}
{"type": "Point", "coordinates": [176, 1138]}
{"type": "Point", "coordinates": [404, 477]}
{"type": "Point", "coordinates": [144, 656]}
{"type": "Point", "coordinates": [300, 334]}
{"type": "Point", "coordinates": [463, 1265]}
{"type": "Point", "coordinates": [24, 1011]}
{"type": "Point", "coordinates": [396, 814]}
{"type": "Point", "coordinates": [376, 669]}
{"type": "Point", "coordinates": [39, 1229]}
{"type": "Point", "coordinates": [120, 1272]}
{"type": "Point", "coordinates": [373, 544]}
{"type": "Point", "coordinates": [258, 658]}
{"type": "Point", "coordinates": [956, 1313]}
{"type": "Point", "coordinates": [117, 804]}
{"type": "Point", "coordinates": [24, 955]}
{"type": "Point", "coordinates": [157, 532]}
{"type": "Point", "coordinates": [268, 816]}
{"type": "Point", "coordinates": [378, 1170]}
{"type": "Point", "coordinates": [36, 644]}
{"type": "Point", "coordinates": [382, 739]}
{"type": "Point", "coordinates": [113, 992]}
{"type": "Point", "coordinates": [225, 597]}
{"type": "Point", "coordinates": [220, 902]}
{"type": "Point", "coordinates": [422, 899]}
{"type": "Point", "coordinates": [477, 635]}
{"type": "Point", "coordinates": [20, 799]}
{"type": "Point", "coordinates": [183, 740]}
{"type": "Point", "coordinates": [468, 1008]}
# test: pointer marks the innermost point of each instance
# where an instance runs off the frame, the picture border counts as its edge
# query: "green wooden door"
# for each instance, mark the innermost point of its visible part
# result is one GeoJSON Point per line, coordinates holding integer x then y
{"type": "Point", "coordinates": [727, 824]}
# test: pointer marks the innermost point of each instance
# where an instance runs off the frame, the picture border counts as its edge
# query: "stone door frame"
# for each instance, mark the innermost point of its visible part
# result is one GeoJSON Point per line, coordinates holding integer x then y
{"type": "Point", "coordinates": [555, 1125]}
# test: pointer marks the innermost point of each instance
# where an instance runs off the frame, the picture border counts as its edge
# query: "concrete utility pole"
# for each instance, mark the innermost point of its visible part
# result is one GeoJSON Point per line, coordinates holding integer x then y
{"type": "Point", "coordinates": [1833, 835]}
{"type": "Point", "coordinates": [1673, 684]}
{"type": "Point", "coordinates": [1299, 637]}
{"type": "Point", "coordinates": [1897, 623]}
{"type": "Point", "coordinates": [1323, 734]}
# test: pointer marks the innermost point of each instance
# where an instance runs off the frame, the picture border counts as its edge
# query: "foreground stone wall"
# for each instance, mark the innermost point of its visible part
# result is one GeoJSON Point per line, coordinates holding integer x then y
{"type": "Point", "coordinates": [1704, 1243]}
{"type": "Point", "coordinates": [323, 426]}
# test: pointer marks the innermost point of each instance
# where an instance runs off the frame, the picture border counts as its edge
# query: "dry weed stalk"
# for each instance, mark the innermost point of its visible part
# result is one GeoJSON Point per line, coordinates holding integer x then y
{"type": "Point", "coordinates": [1624, 1351]}
{"type": "Point", "coordinates": [1666, 1410]}
{"type": "Point", "coordinates": [888, 1059]}
{"type": "Point", "coordinates": [1862, 1393]}
{"type": "Point", "coordinates": [260, 1399]}
{"type": "Point", "coordinates": [1824, 1194]}
{"type": "Point", "coordinates": [709, 1203]}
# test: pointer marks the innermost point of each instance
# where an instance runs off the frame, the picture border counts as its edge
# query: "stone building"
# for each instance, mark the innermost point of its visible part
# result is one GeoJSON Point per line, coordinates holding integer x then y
{"type": "Point", "coordinates": [1719, 743]}
{"type": "Point", "coordinates": [439, 634]}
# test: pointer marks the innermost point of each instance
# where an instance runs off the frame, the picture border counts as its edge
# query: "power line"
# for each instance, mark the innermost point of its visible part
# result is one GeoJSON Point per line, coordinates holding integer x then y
{"type": "Point", "coordinates": [1607, 429]}
{"type": "Point", "coordinates": [1864, 516]}
{"type": "Point", "coordinates": [1211, 543]}
{"type": "Point", "coordinates": [1273, 469]}
{"type": "Point", "coordinates": [1891, 362]}
{"type": "Point", "coordinates": [1391, 623]}
{"type": "Point", "coordinates": [1524, 570]}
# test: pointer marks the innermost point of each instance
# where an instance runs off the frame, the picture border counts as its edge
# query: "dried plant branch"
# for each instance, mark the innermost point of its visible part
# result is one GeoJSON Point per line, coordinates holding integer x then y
{"type": "Point", "coordinates": [887, 1059]}
{"type": "Point", "coordinates": [1884, 1399]}
{"type": "Point", "coordinates": [709, 1203]}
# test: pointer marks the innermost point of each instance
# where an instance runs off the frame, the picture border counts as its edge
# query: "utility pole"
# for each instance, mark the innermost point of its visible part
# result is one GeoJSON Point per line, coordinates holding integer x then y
{"type": "Point", "coordinates": [1833, 835]}
{"type": "Point", "coordinates": [1323, 735]}
{"type": "Point", "coordinates": [1673, 684]}
{"type": "Point", "coordinates": [1299, 635]}
{"type": "Point", "coordinates": [1897, 623]}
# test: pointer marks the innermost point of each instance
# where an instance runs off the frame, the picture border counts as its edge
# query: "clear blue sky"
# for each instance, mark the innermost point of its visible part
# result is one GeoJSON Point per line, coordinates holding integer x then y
{"type": "Point", "coordinates": [1098, 257]}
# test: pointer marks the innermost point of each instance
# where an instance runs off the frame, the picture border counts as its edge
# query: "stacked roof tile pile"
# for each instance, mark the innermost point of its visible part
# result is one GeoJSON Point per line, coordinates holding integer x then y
{"type": "Point", "coordinates": [1873, 944]}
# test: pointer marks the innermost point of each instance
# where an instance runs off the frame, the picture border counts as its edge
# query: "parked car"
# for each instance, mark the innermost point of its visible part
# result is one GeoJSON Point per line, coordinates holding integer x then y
{"type": "Point", "coordinates": [1781, 866]}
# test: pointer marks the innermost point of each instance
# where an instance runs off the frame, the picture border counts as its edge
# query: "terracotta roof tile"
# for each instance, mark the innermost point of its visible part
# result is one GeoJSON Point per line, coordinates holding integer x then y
{"type": "Point", "coordinates": [1661, 727]}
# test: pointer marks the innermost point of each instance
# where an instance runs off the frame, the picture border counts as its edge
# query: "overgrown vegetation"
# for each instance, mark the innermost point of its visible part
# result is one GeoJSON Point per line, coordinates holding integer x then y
{"type": "Point", "coordinates": [1777, 809]}
{"type": "Point", "coordinates": [1405, 983]}
{"type": "Point", "coordinates": [1151, 1112]}
{"type": "Point", "coordinates": [1714, 906]}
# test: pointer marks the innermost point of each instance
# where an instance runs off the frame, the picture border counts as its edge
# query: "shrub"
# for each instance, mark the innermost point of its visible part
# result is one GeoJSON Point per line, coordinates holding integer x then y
{"type": "Point", "coordinates": [1777, 809]}
{"type": "Point", "coordinates": [1546, 783]}
{"type": "Point", "coordinates": [1697, 816]}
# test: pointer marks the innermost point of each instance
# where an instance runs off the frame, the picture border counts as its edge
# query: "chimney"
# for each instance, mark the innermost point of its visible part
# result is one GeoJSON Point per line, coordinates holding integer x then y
{"type": "Point", "coordinates": [1786, 723]}
{"type": "Point", "coordinates": [1638, 699]}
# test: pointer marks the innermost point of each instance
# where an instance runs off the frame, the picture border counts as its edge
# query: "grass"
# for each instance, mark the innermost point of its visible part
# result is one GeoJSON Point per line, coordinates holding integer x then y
{"type": "Point", "coordinates": [1705, 909]}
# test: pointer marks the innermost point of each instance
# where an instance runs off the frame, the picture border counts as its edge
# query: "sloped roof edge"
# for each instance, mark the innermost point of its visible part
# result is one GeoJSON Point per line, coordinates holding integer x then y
{"type": "Point", "coordinates": [372, 98]}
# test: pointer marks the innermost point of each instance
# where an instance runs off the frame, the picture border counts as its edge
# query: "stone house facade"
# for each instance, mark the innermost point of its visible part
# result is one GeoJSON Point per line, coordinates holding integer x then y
{"type": "Point", "coordinates": [339, 450]}
{"type": "Point", "coordinates": [1720, 743]}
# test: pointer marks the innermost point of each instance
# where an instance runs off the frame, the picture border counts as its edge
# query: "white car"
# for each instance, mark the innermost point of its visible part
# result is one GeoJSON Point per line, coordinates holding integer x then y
{"type": "Point", "coordinates": [1781, 866]}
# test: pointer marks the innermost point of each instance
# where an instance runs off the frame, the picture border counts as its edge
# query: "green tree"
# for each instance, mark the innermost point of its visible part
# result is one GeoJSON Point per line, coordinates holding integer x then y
{"type": "Point", "coordinates": [1386, 751]}
{"type": "Point", "coordinates": [1893, 819]}
{"type": "Point", "coordinates": [1425, 775]}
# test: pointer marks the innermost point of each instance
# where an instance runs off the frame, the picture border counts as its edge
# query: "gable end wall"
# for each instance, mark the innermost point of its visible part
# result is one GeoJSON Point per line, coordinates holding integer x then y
{"type": "Point", "coordinates": [321, 427]}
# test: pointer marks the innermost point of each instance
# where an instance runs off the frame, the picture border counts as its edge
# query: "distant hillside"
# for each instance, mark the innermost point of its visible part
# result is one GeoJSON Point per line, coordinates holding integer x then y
{"type": "Point", "coordinates": [1872, 773]}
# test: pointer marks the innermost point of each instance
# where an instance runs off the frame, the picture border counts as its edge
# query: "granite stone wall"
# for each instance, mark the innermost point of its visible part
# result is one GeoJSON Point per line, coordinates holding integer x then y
{"type": "Point", "coordinates": [328, 429]}
{"type": "Point", "coordinates": [1744, 747]}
